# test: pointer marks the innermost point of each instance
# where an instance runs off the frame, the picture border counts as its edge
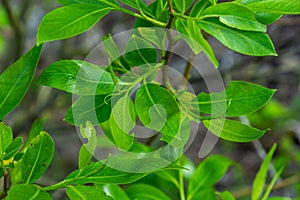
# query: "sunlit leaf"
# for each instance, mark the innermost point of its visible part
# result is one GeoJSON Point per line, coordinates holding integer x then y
{"type": "Point", "coordinates": [138, 5]}
{"type": "Point", "coordinates": [233, 131]}
{"type": "Point", "coordinates": [240, 98]}
{"type": "Point", "coordinates": [226, 195]}
{"type": "Point", "coordinates": [157, 109]}
{"type": "Point", "coordinates": [209, 172]}
{"type": "Point", "coordinates": [274, 6]}
{"type": "Point", "coordinates": [86, 193]}
{"type": "Point", "coordinates": [6, 137]}
{"type": "Point", "coordinates": [115, 191]}
{"type": "Point", "coordinates": [96, 108]}
{"type": "Point", "coordinates": [69, 21]}
{"type": "Point", "coordinates": [145, 192]}
{"type": "Point", "coordinates": [13, 148]}
{"type": "Point", "coordinates": [139, 51]}
{"type": "Point", "coordinates": [27, 192]}
{"type": "Point", "coordinates": [245, 42]}
{"type": "Point", "coordinates": [191, 33]}
{"type": "Point", "coordinates": [122, 121]}
{"type": "Point", "coordinates": [37, 157]}
{"type": "Point", "coordinates": [261, 176]}
{"type": "Point", "coordinates": [16, 79]}
{"type": "Point", "coordinates": [111, 3]}
{"type": "Point", "coordinates": [182, 5]}
{"type": "Point", "coordinates": [98, 173]}
{"type": "Point", "coordinates": [77, 77]}
{"type": "Point", "coordinates": [235, 16]}
{"type": "Point", "coordinates": [87, 150]}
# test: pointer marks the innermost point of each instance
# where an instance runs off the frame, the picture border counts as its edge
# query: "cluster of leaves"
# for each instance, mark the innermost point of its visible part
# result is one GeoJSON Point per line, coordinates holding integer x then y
{"type": "Point", "coordinates": [106, 91]}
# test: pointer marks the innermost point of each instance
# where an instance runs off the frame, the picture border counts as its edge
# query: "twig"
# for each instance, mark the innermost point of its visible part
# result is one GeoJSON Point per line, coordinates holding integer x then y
{"type": "Point", "coordinates": [261, 152]}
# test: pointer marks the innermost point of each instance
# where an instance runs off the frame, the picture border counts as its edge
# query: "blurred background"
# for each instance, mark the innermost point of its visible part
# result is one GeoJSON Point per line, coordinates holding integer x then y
{"type": "Point", "coordinates": [19, 20]}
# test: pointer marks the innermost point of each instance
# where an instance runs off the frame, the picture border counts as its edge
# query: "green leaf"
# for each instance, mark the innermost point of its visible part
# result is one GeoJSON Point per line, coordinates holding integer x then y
{"type": "Point", "coordinates": [279, 198]}
{"type": "Point", "coordinates": [87, 150]}
{"type": "Point", "coordinates": [159, 9]}
{"type": "Point", "coordinates": [235, 16]}
{"type": "Point", "coordinates": [35, 129]}
{"type": "Point", "coordinates": [239, 98]}
{"type": "Point", "coordinates": [115, 191]}
{"type": "Point", "coordinates": [245, 42]}
{"type": "Point", "coordinates": [77, 77]}
{"type": "Point", "coordinates": [155, 36]}
{"type": "Point", "coordinates": [232, 130]}
{"type": "Point", "coordinates": [226, 195]}
{"type": "Point", "coordinates": [96, 109]}
{"type": "Point", "coordinates": [98, 173]}
{"type": "Point", "coordinates": [267, 18]}
{"type": "Point", "coordinates": [274, 6]}
{"type": "Point", "coordinates": [138, 5]}
{"type": "Point", "coordinates": [111, 3]}
{"type": "Point", "coordinates": [145, 192]}
{"type": "Point", "coordinates": [122, 121]}
{"type": "Point", "coordinates": [208, 173]}
{"type": "Point", "coordinates": [271, 185]}
{"type": "Point", "coordinates": [208, 193]}
{"type": "Point", "coordinates": [83, 192]}
{"type": "Point", "coordinates": [158, 110]}
{"type": "Point", "coordinates": [37, 157]}
{"type": "Point", "coordinates": [139, 51]}
{"type": "Point", "coordinates": [199, 7]}
{"type": "Point", "coordinates": [111, 48]}
{"type": "Point", "coordinates": [261, 176]}
{"type": "Point", "coordinates": [122, 139]}
{"type": "Point", "coordinates": [16, 173]}
{"type": "Point", "coordinates": [189, 104]}
{"type": "Point", "coordinates": [27, 192]}
{"type": "Point", "coordinates": [170, 177]}
{"type": "Point", "coordinates": [123, 114]}
{"type": "Point", "coordinates": [16, 79]}
{"type": "Point", "coordinates": [6, 137]}
{"type": "Point", "coordinates": [182, 5]}
{"type": "Point", "coordinates": [117, 62]}
{"type": "Point", "coordinates": [13, 148]}
{"type": "Point", "coordinates": [191, 33]}
{"type": "Point", "coordinates": [69, 21]}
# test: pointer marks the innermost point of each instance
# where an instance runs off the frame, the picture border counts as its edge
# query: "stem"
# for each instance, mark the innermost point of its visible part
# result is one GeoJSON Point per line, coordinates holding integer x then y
{"type": "Point", "coordinates": [280, 185]}
{"type": "Point", "coordinates": [56, 186]}
{"type": "Point", "coordinates": [181, 186]}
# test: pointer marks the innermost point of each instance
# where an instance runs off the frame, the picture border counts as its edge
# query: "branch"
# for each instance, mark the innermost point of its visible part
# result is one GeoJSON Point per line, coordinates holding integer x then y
{"type": "Point", "coordinates": [5, 185]}
{"type": "Point", "coordinates": [18, 29]}
{"type": "Point", "coordinates": [171, 15]}
{"type": "Point", "coordinates": [170, 46]}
